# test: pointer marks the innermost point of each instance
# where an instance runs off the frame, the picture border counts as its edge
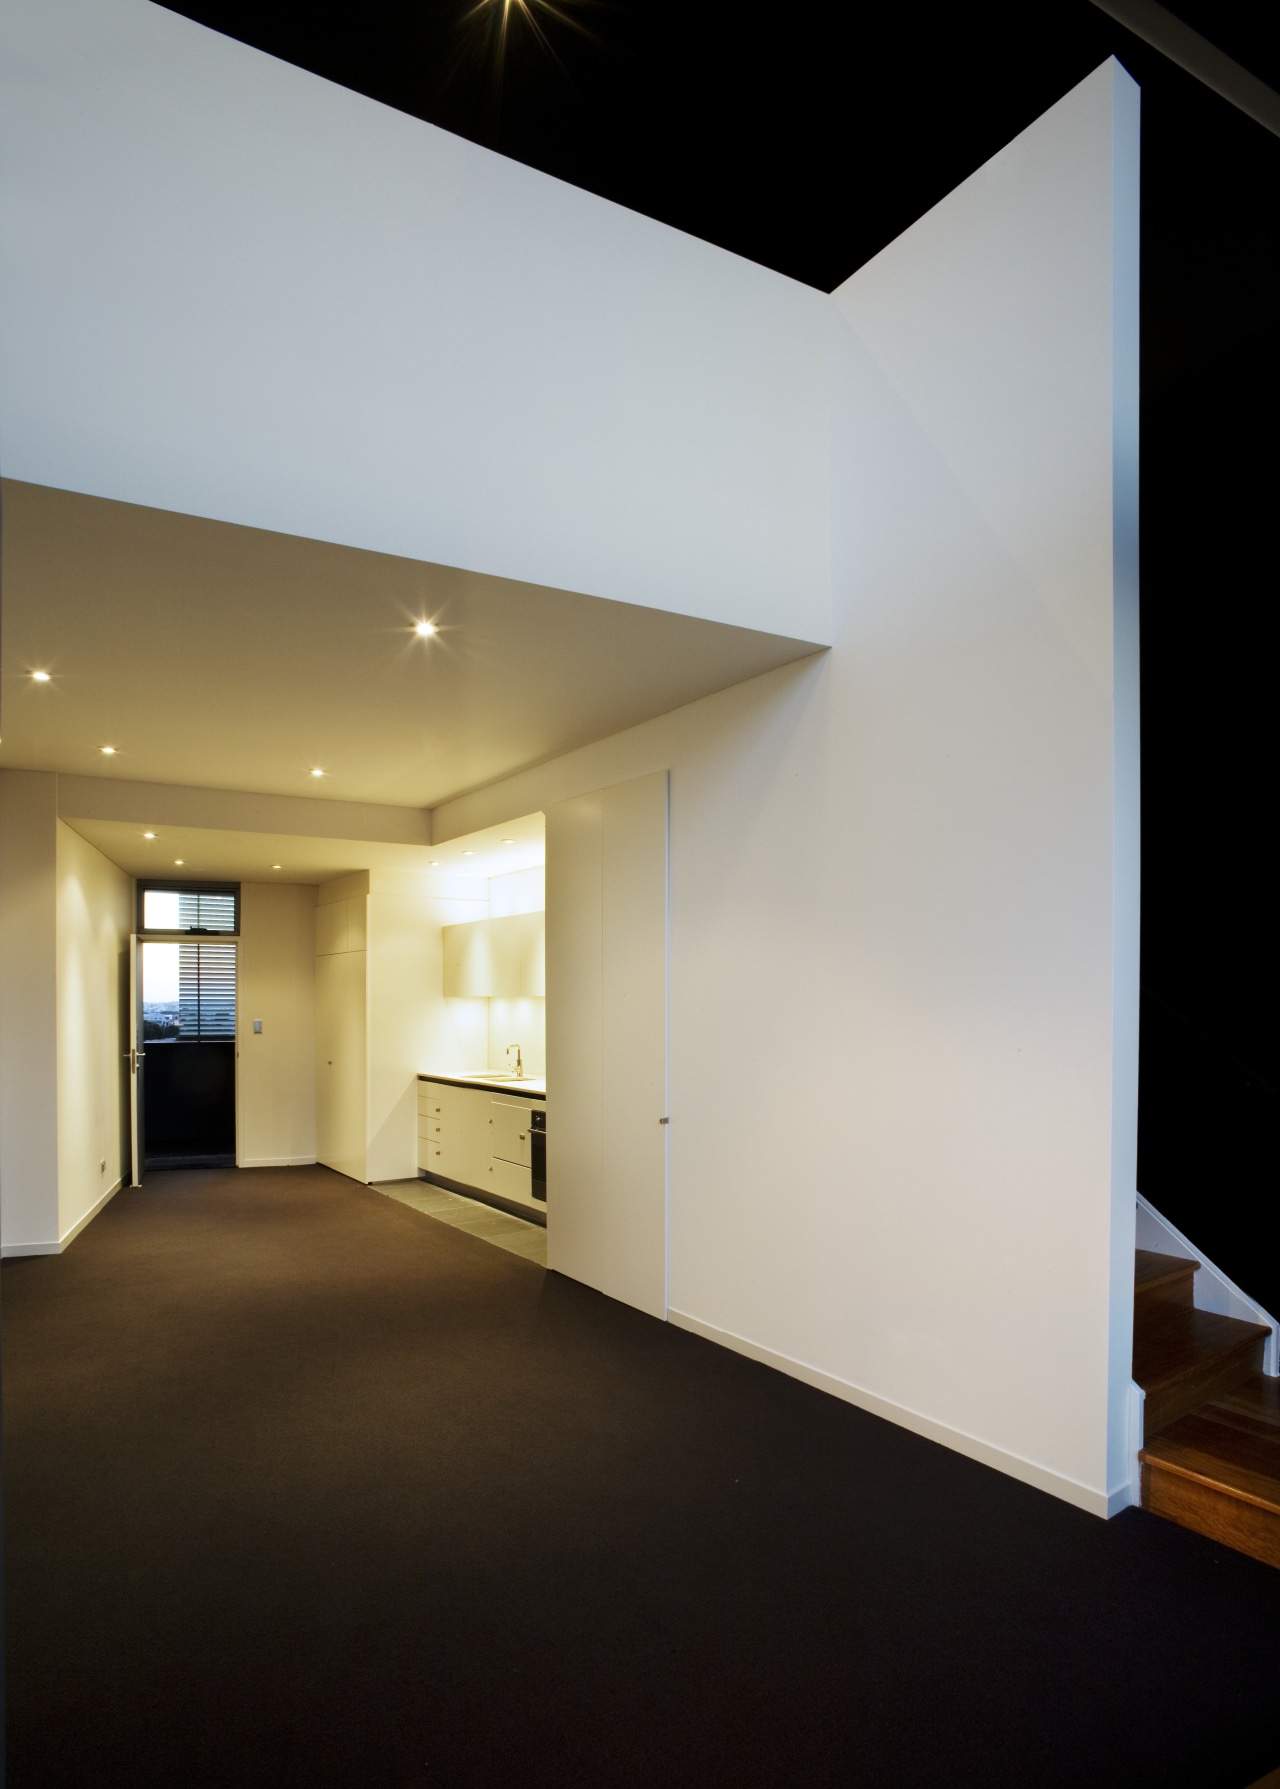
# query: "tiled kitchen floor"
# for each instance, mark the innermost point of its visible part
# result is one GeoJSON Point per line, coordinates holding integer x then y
{"type": "Point", "coordinates": [510, 1233]}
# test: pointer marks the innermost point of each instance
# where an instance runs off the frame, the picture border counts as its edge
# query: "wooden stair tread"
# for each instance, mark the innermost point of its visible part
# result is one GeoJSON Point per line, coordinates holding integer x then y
{"type": "Point", "coordinates": [1221, 1455]}
{"type": "Point", "coordinates": [1173, 1340]}
{"type": "Point", "coordinates": [1256, 1401]}
{"type": "Point", "coordinates": [1211, 1460]}
{"type": "Point", "coordinates": [1153, 1272]}
{"type": "Point", "coordinates": [1184, 1358]}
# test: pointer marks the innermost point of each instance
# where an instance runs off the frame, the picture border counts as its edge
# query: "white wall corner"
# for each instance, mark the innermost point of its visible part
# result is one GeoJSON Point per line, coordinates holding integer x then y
{"type": "Point", "coordinates": [88, 1217]}
{"type": "Point", "coordinates": [1126, 758]}
{"type": "Point", "coordinates": [1128, 1493]}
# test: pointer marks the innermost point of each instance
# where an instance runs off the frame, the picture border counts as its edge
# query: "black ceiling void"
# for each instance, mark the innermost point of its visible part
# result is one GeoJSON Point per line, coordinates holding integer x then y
{"type": "Point", "coordinates": [806, 139]}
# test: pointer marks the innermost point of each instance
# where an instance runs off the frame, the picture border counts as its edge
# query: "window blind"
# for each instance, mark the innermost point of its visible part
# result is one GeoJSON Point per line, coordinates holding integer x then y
{"type": "Point", "coordinates": [206, 990]}
{"type": "Point", "coordinates": [206, 912]}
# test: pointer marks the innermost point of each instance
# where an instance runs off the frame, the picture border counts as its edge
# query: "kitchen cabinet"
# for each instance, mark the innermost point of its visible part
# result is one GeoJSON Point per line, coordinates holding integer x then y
{"type": "Point", "coordinates": [502, 959]}
{"type": "Point", "coordinates": [342, 926]}
{"type": "Point", "coordinates": [477, 1139]}
{"type": "Point", "coordinates": [509, 1132]}
{"type": "Point", "coordinates": [456, 1145]}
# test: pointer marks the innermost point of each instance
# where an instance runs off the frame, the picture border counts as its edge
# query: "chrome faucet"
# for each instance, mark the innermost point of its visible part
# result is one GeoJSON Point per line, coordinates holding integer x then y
{"type": "Point", "coordinates": [519, 1059]}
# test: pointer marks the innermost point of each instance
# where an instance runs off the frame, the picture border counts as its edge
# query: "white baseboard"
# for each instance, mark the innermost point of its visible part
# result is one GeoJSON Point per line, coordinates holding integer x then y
{"type": "Point", "coordinates": [92, 1212]}
{"type": "Point", "coordinates": [17, 1250]}
{"type": "Point", "coordinates": [276, 1161]}
{"type": "Point", "coordinates": [1044, 1478]}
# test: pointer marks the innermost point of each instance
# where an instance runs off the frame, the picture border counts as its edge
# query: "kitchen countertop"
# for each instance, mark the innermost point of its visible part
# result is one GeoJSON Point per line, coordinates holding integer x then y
{"type": "Point", "coordinates": [529, 1086]}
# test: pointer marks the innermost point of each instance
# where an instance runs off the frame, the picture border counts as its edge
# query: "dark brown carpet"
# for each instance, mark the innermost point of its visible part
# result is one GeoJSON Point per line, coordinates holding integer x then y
{"type": "Point", "coordinates": [305, 1489]}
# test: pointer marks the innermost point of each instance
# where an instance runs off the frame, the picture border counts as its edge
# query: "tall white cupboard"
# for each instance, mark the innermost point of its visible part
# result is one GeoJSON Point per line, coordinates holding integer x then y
{"type": "Point", "coordinates": [382, 1018]}
{"type": "Point", "coordinates": [342, 1025]}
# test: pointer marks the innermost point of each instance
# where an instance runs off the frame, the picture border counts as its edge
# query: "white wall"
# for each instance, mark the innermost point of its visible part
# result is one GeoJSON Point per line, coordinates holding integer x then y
{"type": "Point", "coordinates": [276, 1068]}
{"type": "Point", "coordinates": [95, 918]}
{"type": "Point", "coordinates": [903, 939]}
{"type": "Point", "coordinates": [65, 918]}
{"type": "Point", "coordinates": [238, 291]}
{"type": "Point", "coordinates": [28, 1013]}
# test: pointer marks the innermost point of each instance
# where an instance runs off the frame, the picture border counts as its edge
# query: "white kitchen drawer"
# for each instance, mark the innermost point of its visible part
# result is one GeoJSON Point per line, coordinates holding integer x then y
{"type": "Point", "coordinates": [430, 1127]}
{"type": "Point", "coordinates": [510, 1182]}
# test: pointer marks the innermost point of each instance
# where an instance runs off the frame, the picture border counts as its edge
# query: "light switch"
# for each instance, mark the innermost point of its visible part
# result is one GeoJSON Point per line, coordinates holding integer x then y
{"type": "Point", "coordinates": [257, 1026]}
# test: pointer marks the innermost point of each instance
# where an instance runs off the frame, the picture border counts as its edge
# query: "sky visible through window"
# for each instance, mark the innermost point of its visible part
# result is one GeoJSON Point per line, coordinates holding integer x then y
{"type": "Point", "coordinates": [160, 913]}
{"type": "Point", "coordinates": [159, 972]}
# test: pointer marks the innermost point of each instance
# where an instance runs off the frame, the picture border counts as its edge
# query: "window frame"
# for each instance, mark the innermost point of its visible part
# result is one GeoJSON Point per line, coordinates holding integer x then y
{"type": "Point", "coordinates": [170, 885]}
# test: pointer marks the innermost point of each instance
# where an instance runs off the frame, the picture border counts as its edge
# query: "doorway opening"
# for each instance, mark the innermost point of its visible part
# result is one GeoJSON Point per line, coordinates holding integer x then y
{"type": "Point", "coordinates": [185, 1026]}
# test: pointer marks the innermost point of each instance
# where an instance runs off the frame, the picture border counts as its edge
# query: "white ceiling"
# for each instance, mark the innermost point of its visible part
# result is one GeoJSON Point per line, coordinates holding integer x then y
{"type": "Point", "coordinates": [231, 658]}
{"type": "Point", "coordinates": [225, 856]}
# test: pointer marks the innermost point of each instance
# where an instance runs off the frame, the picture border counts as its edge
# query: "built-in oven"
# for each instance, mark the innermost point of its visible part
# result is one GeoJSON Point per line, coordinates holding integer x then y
{"type": "Point", "coordinates": [538, 1151]}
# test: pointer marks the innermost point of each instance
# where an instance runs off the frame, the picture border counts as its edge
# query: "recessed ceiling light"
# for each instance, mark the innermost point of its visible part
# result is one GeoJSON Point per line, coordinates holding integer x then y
{"type": "Point", "coordinates": [108, 751]}
{"type": "Point", "coordinates": [317, 773]}
{"type": "Point", "coordinates": [148, 835]}
{"type": "Point", "coordinates": [425, 629]}
{"type": "Point", "coordinates": [434, 863]}
{"type": "Point", "coordinates": [39, 677]}
{"type": "Point", "coordinates": [179, 860]}
{"type": "Point", "coordinates": [507, 841]}
{"type": "Point", "coordinates": [468, 853]}
{"type": "Point", "coordinates": [277, 866]}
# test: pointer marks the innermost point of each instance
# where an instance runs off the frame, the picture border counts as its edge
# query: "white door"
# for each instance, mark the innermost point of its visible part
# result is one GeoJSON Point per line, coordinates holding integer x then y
{"type": "Point", "coordinates": [341, 1072]}
{"type": "Point", "coordinates": [134, 1057]}
{"type": "Point", "coordinates": [607, 1041]}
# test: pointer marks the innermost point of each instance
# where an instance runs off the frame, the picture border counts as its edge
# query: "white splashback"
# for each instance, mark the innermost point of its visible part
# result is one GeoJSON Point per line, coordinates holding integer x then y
{"type": "Point", "coordinates": [522, 1022]}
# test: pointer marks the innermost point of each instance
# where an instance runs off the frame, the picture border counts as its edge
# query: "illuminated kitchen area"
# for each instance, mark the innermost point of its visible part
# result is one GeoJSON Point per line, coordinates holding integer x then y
{"type": "Point", "coordinates": [467, 993]}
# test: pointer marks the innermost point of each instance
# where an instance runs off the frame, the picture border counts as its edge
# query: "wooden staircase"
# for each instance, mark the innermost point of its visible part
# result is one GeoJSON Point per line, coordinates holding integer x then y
{"type": "Point", "coordinates": [1211, 1458]}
